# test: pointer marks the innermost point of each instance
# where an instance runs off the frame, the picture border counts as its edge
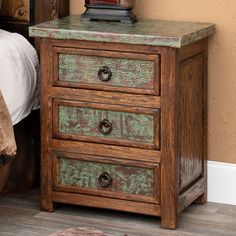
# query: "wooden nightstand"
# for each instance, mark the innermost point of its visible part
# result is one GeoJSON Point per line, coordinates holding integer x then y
{"type": "Point", "coordinates": [124, 115]}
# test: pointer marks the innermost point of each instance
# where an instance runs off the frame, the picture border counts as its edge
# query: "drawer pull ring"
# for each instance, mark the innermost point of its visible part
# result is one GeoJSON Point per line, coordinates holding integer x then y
{"type": "Point", "coordinates": [105, 127]}
{"type": "Point", "coordinates": [104, 74]}
{"type": "Point", "coordinates": [105, 180]}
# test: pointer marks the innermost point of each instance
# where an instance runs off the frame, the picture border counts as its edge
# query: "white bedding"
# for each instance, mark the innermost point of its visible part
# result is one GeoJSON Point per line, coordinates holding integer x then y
{"type": "Point", "coordinates": [18, 75]}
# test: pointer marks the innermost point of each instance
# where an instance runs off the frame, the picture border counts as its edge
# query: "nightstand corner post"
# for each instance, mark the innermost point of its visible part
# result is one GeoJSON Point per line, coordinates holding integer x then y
{"type": "Point", "coordinates": [169, 162]}
{"type": "Point", "coordinates": [46, 175]}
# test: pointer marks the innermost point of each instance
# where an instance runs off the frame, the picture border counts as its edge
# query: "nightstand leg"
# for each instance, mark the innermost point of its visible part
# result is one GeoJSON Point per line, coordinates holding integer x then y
{"type": "Point", "coordinates": [202, 199]}
{"type": "Point", "coordinates": [46, 205]}
{"type": "Point", "coordinates": [169, 222]}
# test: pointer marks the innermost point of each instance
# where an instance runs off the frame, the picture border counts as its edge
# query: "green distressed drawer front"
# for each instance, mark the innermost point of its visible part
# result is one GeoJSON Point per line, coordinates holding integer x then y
{"type": "Point", "coordinates": [138, 75]}
{"type": "Point", "coordinates": [107, 179]}
{"type": "Point", "coordinates": [122, 127]}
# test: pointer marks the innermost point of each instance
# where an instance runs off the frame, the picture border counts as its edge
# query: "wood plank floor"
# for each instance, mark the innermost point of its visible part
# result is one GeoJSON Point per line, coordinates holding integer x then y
{"type": "Point", "coordinates": [21, 216]}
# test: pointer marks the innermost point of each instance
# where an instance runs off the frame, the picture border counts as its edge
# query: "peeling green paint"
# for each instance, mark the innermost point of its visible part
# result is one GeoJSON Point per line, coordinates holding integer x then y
{"type": "Point", "coordinates": [125, 179]}
{"type": "Point", "coordinates": [125, 72]}
{"type": "Point", "coordinates": [126, 125]}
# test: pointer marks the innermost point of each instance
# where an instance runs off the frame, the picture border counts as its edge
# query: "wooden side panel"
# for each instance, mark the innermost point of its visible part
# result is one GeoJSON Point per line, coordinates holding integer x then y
{"type": "Point", "coordinates": [190, 129]}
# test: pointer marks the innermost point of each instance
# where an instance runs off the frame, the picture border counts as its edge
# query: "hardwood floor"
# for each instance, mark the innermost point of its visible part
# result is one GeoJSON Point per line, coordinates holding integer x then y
{"type": "Point", "coordinates": [21, 216]}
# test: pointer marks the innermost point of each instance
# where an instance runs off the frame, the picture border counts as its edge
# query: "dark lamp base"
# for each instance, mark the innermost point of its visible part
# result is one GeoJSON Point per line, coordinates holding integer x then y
{"type": "Point", "coordinates": [110, 14]}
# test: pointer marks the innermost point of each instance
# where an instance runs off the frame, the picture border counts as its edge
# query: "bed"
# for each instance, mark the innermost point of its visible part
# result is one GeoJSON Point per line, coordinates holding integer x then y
{"type": "Point", "coordinates": [19, 157]}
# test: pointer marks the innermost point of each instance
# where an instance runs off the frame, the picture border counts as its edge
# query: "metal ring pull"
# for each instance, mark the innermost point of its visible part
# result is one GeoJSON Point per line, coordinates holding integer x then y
{"type": "Point", "coordinates": [105, 127]}
{"type": "Point", "coordinates": [104, 74]}
{"type": "Point", "coordinates": [105, 180]}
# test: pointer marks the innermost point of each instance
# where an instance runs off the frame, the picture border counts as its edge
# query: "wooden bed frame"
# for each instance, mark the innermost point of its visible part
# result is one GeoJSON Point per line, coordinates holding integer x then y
{"type": "Point", "coordinates": [17, 16]}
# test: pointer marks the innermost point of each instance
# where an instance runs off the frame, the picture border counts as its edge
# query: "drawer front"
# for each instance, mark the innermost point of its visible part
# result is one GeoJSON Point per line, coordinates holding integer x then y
{"type": "Point", "coordinates": [101, 176]}
{"type": "Point", "coordinates": [129, 72]}
{"type": "Point", "coordinates": [106, 124]}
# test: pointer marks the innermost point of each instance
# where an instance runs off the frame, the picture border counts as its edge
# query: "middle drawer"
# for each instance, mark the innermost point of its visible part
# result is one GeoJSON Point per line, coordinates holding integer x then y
{"type": "Point", "coordinates": [103, 123]}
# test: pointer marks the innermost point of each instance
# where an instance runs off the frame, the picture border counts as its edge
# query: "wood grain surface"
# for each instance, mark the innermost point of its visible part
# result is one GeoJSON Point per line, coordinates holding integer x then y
{"type": "Point", "coordinates": [190, 128]}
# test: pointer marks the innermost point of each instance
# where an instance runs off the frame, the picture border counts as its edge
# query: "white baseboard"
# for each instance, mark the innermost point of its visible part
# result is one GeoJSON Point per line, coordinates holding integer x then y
{"type": "Point", "coordinates": [222, 182]}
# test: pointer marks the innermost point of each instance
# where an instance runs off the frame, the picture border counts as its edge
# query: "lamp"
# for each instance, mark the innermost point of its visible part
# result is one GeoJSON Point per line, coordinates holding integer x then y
{"type": "Point", "coordinates": [112, 10]}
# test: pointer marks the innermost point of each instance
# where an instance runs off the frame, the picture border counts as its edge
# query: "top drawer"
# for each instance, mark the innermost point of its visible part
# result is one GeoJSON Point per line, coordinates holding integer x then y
{"type": "Point", "coordinates": [106, 70]}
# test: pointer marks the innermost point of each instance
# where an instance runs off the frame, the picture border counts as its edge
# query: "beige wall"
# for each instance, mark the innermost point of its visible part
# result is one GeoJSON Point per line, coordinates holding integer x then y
{"type": "Point", "coordinates": [222, 62]}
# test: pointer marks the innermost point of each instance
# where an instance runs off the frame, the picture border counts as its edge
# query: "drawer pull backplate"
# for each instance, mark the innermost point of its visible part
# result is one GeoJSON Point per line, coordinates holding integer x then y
{"type": "Point", "coordinates": [105, 127]}
{"type": "Point", "coordinates": [105, 180]}
{"type": "Point", "coordinates": [104, 74]}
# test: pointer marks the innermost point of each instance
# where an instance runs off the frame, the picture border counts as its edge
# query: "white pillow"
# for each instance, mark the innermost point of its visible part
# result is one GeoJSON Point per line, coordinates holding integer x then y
{"type": "Point", "coordinates": [18, 75]}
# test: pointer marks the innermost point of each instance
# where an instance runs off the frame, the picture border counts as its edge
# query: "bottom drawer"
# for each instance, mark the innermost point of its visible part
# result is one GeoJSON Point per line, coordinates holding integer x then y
{"type": "Point", "coordinates": [108, 177]}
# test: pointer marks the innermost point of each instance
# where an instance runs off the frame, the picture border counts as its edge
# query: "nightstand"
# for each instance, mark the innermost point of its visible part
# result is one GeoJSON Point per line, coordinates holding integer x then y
{"type": "Point", "coordinates": [124, 115]}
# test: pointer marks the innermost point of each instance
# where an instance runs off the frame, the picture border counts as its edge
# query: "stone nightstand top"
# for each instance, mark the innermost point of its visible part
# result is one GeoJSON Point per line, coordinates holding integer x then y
{"type": "Point", "coordinates": [144, 32]}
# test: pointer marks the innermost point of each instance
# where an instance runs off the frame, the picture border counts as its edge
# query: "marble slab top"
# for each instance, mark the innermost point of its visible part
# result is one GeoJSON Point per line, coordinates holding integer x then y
{"type": "Point", "coordinates": [144, 32]}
